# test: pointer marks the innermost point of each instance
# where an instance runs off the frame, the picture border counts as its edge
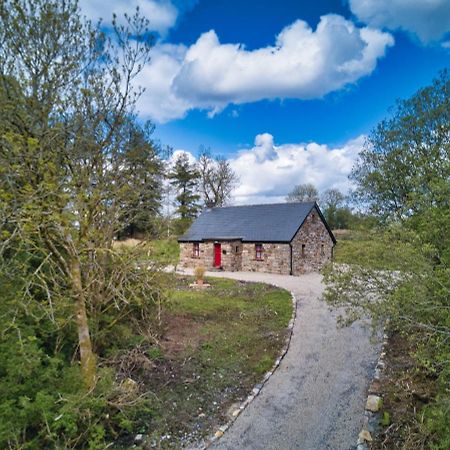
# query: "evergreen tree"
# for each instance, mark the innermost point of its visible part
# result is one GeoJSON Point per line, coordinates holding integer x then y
{"type": "Point", "coordinates": [184, 176]}
{"type": "Point", "coordinates": [144, 169]}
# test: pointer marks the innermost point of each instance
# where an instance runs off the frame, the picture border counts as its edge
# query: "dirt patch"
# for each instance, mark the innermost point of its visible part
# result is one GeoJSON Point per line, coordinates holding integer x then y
{"type": "Point", "coordinates": [406, 392]}
{"type": "Point", "coordinates": [180, 334]}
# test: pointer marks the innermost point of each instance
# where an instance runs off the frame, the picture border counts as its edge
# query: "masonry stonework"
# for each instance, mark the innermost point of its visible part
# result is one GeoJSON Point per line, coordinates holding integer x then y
{"type": "Point", "coordinates": [309, 250]}
{"type": "Point", "coordinates": [312, 246]}
{"type": "Point", "coordinates": [275, 258]}
{"type": "Point", "coordinates": [231, 255]}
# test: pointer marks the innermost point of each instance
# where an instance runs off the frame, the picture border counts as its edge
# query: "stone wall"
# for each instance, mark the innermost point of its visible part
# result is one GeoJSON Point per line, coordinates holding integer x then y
{"type": "Point", "coordinates": [231, 258]}
{"type": "Point", "coordinates": [232, 255]}
{"type": "Point", "coordinates": [275, 258]}
{"type": "Point", "coordinates": [205, 259]}
{"type": "Point", "coordinates": [312, 246]}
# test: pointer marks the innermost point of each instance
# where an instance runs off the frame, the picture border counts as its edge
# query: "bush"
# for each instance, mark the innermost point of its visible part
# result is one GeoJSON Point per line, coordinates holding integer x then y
{"type": "Point", "coordinates": [199, 272]}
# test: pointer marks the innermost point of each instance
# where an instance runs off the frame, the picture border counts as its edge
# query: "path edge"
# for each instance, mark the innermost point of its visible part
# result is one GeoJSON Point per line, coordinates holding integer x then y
{"type": "Point", "coordinates": [257, 388]}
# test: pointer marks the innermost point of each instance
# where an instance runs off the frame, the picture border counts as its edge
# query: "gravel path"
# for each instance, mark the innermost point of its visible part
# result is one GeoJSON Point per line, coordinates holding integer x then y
{"type": "Point", "coordinates": [315, 400]}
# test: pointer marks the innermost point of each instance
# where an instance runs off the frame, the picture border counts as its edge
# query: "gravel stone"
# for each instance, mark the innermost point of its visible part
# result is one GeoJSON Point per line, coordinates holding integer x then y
{"type": "Point", "coordinates": [325, 366]}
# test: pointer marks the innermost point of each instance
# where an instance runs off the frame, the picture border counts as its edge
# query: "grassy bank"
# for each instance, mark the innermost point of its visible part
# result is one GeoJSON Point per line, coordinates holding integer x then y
{"type": "Point", "coordinates": [215, 344]}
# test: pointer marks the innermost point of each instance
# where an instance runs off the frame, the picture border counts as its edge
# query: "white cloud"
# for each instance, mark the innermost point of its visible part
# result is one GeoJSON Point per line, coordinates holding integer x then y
{"type": "Point", "coordinates": [159, 102]}
{"type": "Point", "coordinates": [162, 14]}
{"type": "Point", "coordinates": [428, 19]}
{"type": "Point", "coordinates": [268, 172]}
{"type": "Point", "coordinates": [303, 64]}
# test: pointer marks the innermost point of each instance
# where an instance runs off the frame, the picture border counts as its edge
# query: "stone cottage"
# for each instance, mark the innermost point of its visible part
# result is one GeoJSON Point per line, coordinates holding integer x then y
{"type": "Point", "coordinates": [284, 238]}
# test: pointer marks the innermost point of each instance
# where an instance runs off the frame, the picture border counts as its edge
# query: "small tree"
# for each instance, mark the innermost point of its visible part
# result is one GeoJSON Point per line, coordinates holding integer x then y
{"type": "Point", "coordinates": [331, 203]}
{"type": "Point", "coordinates": [303, 193]}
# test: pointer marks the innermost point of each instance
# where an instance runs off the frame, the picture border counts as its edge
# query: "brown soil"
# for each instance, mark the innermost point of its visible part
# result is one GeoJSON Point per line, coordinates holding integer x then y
{"type": "Point", "coordinates": [180, 334]}
{"type": "Point", "coordinates": [406, 392]}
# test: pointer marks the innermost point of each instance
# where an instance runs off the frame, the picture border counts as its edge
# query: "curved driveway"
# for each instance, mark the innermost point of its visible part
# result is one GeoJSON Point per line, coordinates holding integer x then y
{"type": "Point", "coordinates": [315, 399]}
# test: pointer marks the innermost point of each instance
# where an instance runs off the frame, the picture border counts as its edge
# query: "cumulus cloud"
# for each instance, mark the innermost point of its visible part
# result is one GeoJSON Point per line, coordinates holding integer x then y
{"type": "Point", "coordinates": [268, 172]}
{"type": "Point", "coordinates": [303, 64]}
{"type": "Point", "coordinates": [162, 14]}
{"type": "Point", "coordinates": [428, 19]}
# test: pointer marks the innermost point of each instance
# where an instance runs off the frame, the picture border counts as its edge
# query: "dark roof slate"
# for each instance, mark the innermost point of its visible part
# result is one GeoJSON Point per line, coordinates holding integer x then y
{"type": "Point", "coordinates": [252, 223]}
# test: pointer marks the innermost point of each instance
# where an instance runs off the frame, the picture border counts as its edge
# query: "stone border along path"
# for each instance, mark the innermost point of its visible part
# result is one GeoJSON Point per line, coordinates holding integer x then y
{"type": "Point", "coordinates": [374, 403]}
{"type": "Point", "coordinates": [315, 399]}
{"type": "Point", "coordinates": [257, 388]}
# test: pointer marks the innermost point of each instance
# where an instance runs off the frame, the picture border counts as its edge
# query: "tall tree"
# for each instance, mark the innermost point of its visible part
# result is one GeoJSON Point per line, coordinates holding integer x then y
{"type": "Point", "coordinates": [144, 169]}
{"type": "Point", "coordinates": [184, 177]}
{"type": "Point", "coordinates": [306, 192]}
{"type": "Point", "coordinates": [407, 154]}
{"type": "Point", "coordinates": [217, 179]}
{"type": "Point", "coordinates": [65, 154]}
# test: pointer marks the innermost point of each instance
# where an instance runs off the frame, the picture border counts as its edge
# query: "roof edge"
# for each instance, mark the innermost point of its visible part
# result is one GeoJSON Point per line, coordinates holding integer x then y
{"type": "Point", "coordinates": [315, 205]}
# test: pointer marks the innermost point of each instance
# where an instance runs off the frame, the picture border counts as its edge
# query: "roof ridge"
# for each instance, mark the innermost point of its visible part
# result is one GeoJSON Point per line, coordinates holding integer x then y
{"type": "Point", "coordinates": [262, 204]}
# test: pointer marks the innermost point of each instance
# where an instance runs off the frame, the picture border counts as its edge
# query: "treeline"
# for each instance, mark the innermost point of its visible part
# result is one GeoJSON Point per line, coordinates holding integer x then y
{"type": "Point", "coordinates": [207, 182]}
{"type": "Point", "coordinates": [336, 207]}
{"type": "Point", "coordinates": [403, 179]}
{"type": "Point", "coordinates": [175, 192]}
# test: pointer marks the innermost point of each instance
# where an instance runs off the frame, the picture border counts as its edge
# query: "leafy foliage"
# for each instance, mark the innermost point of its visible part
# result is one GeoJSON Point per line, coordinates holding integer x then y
{"type": "Point", "coordinates": [403, 175]}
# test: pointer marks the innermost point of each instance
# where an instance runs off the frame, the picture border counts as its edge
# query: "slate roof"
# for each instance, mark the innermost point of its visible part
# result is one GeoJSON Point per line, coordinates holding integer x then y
{"type": "Point", "coordinates": [278, 222]}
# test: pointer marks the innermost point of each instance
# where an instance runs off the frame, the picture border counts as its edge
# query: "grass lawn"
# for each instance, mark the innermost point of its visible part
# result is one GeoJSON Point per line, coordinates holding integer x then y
{"type": "Point", "coordinates": [214, 346]}
{"type": "Point", "coordinates": [165, 251]}
{"type": "Point", "coordinates": [370, 249]}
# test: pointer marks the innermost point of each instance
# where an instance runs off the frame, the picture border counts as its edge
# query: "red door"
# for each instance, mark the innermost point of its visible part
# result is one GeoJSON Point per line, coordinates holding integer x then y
{"type": "Point", "coordinates": [217, 255]}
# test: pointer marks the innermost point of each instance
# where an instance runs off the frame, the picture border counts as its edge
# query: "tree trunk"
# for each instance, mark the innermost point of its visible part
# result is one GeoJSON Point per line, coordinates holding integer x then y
{"type": "Point", "coordinates": [87, 356]}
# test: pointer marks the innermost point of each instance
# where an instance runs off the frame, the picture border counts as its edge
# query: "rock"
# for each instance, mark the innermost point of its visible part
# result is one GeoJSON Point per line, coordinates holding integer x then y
{"type": "Point", "coordinates": [375, 387]}
{"type": "Point", "coordinates": [218, 434]}
{"type": "Point", "coordinates": [364, 435]}
{"type": "Point", "coordinates": [267, 375]}
{"type": "Point", "coordinates": [381, 365]}
{"type": "Point", "coordinates": [374, 403]}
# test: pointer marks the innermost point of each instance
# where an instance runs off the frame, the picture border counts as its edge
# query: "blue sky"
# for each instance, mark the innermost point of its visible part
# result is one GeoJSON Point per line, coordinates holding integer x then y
{"type": "Point", "coordinates": [287, 88]}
